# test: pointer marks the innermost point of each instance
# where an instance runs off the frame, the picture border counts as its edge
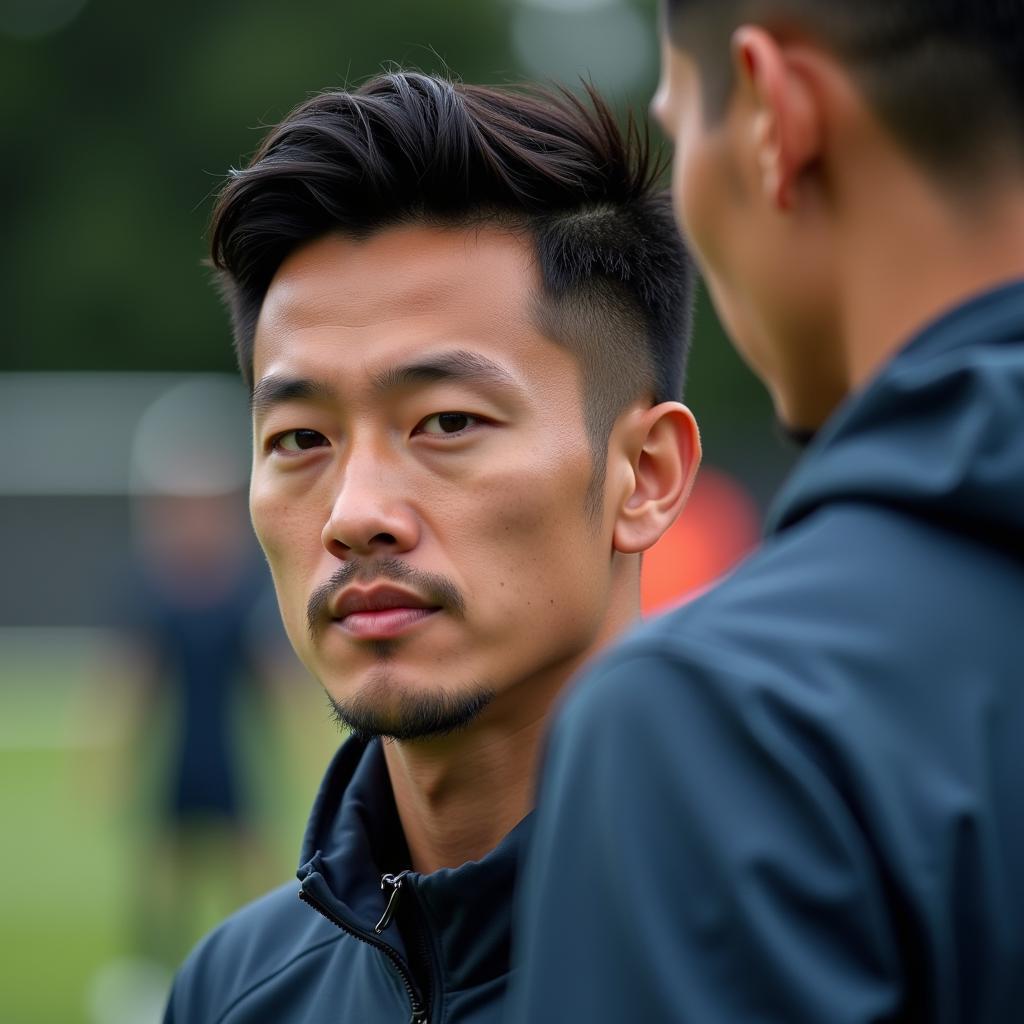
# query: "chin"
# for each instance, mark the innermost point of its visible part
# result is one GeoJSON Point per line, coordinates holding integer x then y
{"type": "Point", "coordinates": [799, 436]}
{"type": "Point", "coordinates": [801, 416]}
{"type": "Point", "coordinates": [395, 709]}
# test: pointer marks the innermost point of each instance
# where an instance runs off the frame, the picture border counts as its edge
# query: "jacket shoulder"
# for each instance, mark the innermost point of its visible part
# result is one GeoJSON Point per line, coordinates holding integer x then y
{"type": "Point", "coordinates": [852, 617]}
{"type": "Point", "coordinates": [273, 936]}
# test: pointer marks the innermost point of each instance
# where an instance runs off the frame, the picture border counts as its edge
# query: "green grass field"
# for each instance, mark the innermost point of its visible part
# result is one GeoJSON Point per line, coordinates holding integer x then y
{"type": "Point", "coordinates": [74, 788]}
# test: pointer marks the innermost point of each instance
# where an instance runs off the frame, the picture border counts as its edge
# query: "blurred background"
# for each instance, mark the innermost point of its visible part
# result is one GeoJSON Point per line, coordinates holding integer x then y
{"type": "Point", "coordinates": [158, 745]}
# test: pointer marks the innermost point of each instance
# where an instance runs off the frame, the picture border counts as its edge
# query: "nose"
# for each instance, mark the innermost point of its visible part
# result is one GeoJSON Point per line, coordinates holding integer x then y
{"type": "Point", "coordinates": [369, 515]}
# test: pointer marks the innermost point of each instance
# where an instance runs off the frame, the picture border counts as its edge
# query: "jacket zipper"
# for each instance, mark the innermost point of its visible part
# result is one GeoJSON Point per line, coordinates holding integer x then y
{"type": "Point", "coordinates": [395, 881]}
{"type": "Point", "coordinates": [419, 1012]}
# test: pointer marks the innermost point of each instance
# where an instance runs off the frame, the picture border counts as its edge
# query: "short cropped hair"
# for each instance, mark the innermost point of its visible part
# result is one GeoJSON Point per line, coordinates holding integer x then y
{"type": "Point", "coordinates": [615, 280]}
{"type": "Point", "coordinates": [944, 76]}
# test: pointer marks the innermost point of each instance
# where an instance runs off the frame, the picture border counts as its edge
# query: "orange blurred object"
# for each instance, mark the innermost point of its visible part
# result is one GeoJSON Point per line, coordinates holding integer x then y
{"type": "Point", "coordinates": [718, 527]}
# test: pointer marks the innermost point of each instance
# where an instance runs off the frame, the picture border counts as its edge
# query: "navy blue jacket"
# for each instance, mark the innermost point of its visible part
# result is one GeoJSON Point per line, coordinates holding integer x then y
{"type": "Point", "coordinates": [800, 799]}
{"type": "Point", "coordinates": [332, 950]}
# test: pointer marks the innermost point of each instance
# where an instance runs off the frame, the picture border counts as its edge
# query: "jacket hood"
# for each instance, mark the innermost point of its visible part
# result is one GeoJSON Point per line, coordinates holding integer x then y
{"type": "Point", "coordinates": [938, 433]}
{"type": "Point", "coordinates": [354, 837]}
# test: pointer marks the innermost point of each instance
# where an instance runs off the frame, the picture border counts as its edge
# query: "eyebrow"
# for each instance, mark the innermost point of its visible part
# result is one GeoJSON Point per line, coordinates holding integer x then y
{"type": "Point", "coordinates": [459, 366]}
{"type": "Point", "coordinates": [276, 390]}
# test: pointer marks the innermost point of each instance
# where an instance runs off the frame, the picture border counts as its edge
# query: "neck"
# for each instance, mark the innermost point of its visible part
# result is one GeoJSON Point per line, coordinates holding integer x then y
{"type": "Point", "coordinates": [458, 796]}
{"type": "Point", "coordinates": [913, 259]}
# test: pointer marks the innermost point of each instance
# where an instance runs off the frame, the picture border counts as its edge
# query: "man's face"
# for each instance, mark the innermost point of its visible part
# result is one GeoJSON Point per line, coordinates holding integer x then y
{"type": "Point", "coordinates": [768, 273]}
{"type": "Point", "coordinates": [420, 475]}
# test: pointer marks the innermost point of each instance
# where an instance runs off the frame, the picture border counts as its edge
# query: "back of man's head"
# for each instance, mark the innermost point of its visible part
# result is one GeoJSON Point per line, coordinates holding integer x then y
{"type": "Point", "coordinates": [944, 76]}
{"type": "Point", "coordinates": [408, 147]}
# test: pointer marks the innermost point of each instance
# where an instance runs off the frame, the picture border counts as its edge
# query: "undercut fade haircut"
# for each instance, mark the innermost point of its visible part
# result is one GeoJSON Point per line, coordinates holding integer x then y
{"type": "Point", "coordinates": [944, 76]}
{"type": "Point", "coordinates": [615, 280]}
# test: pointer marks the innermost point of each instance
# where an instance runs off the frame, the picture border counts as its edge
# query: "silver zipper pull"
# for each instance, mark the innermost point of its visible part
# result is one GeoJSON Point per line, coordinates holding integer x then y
{"type": "Point", "coordinates": [395, 882]}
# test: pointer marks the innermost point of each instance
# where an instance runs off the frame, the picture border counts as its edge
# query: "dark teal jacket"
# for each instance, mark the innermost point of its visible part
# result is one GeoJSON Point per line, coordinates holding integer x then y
{"type": "Point", "coordinates": [329, 950]}
{"type": "Point", "coordinates": [800, 799]}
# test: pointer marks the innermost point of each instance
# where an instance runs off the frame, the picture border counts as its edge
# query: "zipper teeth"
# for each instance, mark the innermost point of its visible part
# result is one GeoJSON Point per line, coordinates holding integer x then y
{"type": "Point", "coordinates": [419, 1013]}
{"type": "Point", "coordinates": [426, 947]}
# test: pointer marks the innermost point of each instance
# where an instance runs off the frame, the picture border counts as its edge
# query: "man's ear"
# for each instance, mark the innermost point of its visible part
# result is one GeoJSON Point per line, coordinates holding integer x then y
{"type": "Point", "coordinates": [662, 446]}
{"type": "Point", "coordinates": [776, 81]}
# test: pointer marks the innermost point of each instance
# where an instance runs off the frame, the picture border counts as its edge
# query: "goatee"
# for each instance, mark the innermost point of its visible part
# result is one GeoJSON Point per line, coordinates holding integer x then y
{"type": "Point", "coordinates": [409, 716]}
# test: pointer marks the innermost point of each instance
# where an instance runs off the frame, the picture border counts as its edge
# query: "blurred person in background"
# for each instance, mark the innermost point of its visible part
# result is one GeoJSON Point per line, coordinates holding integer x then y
{"type": "Point", "coordinates": [197, 642]}
{"type": "Point", "coordinates": [198, 655]}
{"type": "Point", "coordinates": [463, 315]}
{"type": "Point", "coordinates": [798, 798]}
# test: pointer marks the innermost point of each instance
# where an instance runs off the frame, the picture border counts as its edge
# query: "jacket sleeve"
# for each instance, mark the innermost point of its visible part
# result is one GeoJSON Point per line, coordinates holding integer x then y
{"type": "Point", "coordinates": [695, 862]}
{"type": "Point", "coordinates": [170, 1014]}
{"type": "Point", "coordinates": [205, 984]}
{"type": "Point", "coordinates": [185, 1004]}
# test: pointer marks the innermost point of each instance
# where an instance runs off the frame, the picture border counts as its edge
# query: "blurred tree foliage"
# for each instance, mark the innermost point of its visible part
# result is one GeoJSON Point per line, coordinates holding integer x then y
{"type": "Point", "coordinates": [118, 127]}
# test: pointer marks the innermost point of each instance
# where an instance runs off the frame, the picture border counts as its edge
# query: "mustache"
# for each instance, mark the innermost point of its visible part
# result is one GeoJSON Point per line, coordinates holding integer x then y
{"type": "Point", "coordinates": [432, 587]}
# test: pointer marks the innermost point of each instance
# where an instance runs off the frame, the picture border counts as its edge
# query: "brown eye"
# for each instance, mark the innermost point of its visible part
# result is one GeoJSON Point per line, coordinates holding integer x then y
{"type": "Point", "coordinates": [299, 440]}
{"type": "Point", "coordinates": [446, 423]}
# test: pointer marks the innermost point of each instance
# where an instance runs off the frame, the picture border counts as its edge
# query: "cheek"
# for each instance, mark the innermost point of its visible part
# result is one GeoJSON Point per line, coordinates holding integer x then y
{"type": "Point", "coordinates": [706, 199]}
{"type": "Point", "coordinates": [291, 545]}
{"type": "Point", "coordinates": [721, 226]}
{"type": "Point", "coordinates": [266, 517]}
{"type": "Point", "coordinates": [540, 555]}
{"type": "Point", "coordinates": [687, 199]}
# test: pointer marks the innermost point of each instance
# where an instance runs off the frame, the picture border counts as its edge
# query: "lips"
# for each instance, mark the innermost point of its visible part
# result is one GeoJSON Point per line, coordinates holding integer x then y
{"type": "Point", "coordinates": [379, 612]}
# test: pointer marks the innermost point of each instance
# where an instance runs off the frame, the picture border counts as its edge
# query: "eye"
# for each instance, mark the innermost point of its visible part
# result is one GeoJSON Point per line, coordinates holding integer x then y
{"type": "Point", "coordinates": [293, 441]}
{"type": "Point", "coordinates": [442, 423]}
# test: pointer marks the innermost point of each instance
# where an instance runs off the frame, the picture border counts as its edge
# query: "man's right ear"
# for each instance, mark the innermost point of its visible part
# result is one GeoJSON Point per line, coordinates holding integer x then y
{"type": "Point", "coordinates": [663, 447]}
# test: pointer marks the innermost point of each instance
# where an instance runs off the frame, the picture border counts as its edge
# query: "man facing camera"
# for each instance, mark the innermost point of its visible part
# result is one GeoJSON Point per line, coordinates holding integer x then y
{"type": "Point", "coordinates": [462, 313]}
{"type": "Point", "coordinates": [798, 799]}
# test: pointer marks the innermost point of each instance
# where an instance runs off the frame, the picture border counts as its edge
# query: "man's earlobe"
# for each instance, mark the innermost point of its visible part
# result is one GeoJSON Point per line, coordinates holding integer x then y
{"type": "Point", "coordinates": [664, 459]}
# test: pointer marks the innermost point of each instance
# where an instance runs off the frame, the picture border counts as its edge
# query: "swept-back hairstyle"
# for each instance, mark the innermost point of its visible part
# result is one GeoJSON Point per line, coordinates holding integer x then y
{"type": "Point", "coordinates": [615, 280]}
{"type": "Point", "coordinates": [945, 76]}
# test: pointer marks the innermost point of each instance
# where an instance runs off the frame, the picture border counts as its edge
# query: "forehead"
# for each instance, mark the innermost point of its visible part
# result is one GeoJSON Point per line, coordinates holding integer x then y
{"type": "Point", "coordinates": [343, 304]}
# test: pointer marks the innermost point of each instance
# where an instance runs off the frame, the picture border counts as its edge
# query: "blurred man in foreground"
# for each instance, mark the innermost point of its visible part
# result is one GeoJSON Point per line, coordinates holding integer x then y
{"type": "Point", "coordinates": [798, 798]}
{"type": "Point", "coordinates": [462, 313]}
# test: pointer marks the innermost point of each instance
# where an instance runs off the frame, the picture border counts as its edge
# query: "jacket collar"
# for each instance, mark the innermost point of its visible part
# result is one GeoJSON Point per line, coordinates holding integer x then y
{"type": "Point", "coordinates": [937, 432]}
{"type": "Point", "coordinates": [354, 837]}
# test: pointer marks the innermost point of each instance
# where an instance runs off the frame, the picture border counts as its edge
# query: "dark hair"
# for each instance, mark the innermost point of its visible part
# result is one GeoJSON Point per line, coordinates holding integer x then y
{"type": "Point", "coordinates": [945, 76]}
{"type": "Point", "coordinates": [616, 282]}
